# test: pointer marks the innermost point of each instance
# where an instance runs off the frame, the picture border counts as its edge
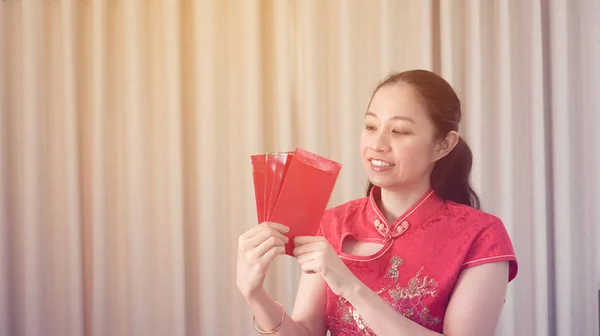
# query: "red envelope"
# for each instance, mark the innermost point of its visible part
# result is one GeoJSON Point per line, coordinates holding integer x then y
{"type": "Point", "coordinates": [304, 195]}
{"type": "Point", "coordinates": [268, 172]}
{"type": "Point", "coordinates": [293, 189]}
{"type": "Point", "coordinates": [277, 165]}
{"type": "Point", "coordinates": [258, 175]}
{"type": "Point", "coordinates": [269, 179]}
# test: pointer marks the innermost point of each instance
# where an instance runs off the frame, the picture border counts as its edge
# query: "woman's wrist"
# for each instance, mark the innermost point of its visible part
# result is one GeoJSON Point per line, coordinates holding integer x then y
{"type": "Point", "coordinates": [268, 315]}
{"type": "Point", "coordinates": [355, 290]}
{"type": "Point", "coordinates": [256, 297]}
{"type": "Point", "coordinates": [353, 285]}
{"type": "Point", "coordinates": [274, 329]}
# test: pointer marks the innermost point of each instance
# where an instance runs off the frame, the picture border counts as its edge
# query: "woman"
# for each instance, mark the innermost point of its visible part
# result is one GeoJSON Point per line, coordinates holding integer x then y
{"type": "Point", "coordinates": [414, 257]}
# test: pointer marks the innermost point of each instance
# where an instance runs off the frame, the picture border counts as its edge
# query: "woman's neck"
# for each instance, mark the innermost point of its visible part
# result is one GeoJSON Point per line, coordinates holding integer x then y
{"type": "Point", "coordinates": [394, 203]}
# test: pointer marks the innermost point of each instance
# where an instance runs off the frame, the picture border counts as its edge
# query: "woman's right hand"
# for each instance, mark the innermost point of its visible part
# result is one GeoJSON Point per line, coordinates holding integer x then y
{"type": "Point", "coordinates": [257, 247]}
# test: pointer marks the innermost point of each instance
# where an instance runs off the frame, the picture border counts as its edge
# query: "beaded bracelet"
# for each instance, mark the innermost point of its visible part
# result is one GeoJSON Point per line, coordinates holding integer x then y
{"type": "Point", "coordinates": [260, 331]}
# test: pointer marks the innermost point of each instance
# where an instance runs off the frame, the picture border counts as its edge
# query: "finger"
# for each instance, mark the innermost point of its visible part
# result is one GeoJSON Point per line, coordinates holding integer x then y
{"type": "Point", "coordinates": [266, 245]}
{"type": "Point", "coordinates": [258, 228]}
{"type": "Point", "coordinates": [260, 237]}
{"type": "Point", "coordinates": [250, 233]}
{"type": "Point", "coordinates": [272, 253]}
{"type": "Point", "coordinates": [310, 267]}
{"type": "Point", "coordinates": [301, 240]}
{"type": "Point", "coordinates": [304, 258]}
{"type": "Point", "coordinates": [243, 238]}
{"type": "Point", "coordinates": [276, 226]}
{"type": "Point", "coordinates": [307, 248]}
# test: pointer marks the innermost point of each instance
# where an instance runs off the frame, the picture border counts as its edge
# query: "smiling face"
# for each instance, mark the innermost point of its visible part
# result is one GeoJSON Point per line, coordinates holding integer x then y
{"type": "Point", "coordinates": [399, 143]}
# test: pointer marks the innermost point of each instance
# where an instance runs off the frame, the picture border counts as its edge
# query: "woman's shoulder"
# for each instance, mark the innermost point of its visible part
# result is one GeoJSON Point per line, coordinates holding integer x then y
{"type": "Point", "coordinates": [473, 217]}
{"type": "Point", "coordinates": [483, 235]}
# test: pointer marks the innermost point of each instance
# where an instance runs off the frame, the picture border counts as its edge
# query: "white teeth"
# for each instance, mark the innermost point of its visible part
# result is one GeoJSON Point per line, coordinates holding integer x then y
{"type": "Point", "coordinates": [380, 163]}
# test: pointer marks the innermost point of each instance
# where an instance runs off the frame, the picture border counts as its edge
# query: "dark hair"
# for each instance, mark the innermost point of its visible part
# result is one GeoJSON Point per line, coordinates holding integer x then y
{"type": "Point", "coordinates": [451, 174]}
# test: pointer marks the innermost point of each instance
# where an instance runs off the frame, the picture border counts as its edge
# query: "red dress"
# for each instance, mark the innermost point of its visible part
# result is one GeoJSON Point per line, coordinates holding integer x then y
{"type": "Point", "coordinates": [423, 253]}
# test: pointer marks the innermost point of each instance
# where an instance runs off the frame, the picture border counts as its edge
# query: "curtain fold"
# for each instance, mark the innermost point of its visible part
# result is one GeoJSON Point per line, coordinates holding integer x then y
{"type": "Point", "coordinates": [4, 255]}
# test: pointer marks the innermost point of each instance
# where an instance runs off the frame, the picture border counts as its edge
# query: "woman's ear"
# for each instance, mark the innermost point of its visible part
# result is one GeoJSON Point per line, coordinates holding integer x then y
{"type": "Point", "coordinates": [446, 145]}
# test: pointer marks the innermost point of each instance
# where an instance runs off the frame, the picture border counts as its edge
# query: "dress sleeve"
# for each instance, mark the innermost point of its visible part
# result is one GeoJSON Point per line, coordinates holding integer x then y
{"type": "Point", "coordinates": [491, 245]}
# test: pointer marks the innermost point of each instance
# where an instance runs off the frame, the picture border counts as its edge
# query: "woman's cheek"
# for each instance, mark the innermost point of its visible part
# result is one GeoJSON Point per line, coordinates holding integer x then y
{"type": "Point", "coordinates": [409, 152]}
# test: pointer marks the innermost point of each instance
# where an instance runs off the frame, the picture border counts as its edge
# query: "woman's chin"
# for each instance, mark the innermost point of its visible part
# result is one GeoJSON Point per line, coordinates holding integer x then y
{"type": "Point", "coordinates": [383, 183]}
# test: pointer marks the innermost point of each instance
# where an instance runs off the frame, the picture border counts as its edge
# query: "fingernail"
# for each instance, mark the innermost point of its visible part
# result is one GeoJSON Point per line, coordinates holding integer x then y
{"type": "Point", "coordinates": [287, 228]}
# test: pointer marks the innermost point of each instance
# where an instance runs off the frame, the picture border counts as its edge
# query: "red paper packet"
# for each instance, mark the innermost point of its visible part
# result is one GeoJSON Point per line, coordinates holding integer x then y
{"type": "Point", "coordinates": [269, 178]}
{"type": "Point", "coordinates": [304, 194]}
{"type": "Point", "coordinates": [277, 165]}
{"type": "Point", "coordinates": [293, 189]}
{"type": "Point", "coordinates": [268, 172]}
{"type": "Point", "coordinates": [258, 175]}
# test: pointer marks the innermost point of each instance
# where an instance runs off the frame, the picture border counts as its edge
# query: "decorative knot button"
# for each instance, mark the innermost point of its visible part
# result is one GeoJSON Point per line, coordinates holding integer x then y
{"type": "Point", "coordinates": [381, 227]}
{"type": "Point", "coordinates": [401, 228]}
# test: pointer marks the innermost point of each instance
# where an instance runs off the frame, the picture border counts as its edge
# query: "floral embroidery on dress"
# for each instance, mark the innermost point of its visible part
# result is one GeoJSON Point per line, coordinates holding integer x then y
{"type": "Point", "coordinates": [406, 300]}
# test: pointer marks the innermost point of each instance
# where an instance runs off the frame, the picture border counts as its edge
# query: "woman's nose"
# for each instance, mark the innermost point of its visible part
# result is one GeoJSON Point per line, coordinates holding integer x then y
{"type": "Point", "coordinates": [380, 142]}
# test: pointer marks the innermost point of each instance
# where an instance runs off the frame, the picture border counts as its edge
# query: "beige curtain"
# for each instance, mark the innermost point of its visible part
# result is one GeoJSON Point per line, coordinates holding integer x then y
{"type": "Point", "coordinates": [126, 129]}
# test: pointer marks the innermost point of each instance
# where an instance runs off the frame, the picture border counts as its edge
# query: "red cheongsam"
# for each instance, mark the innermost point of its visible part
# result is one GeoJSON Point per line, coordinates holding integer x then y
{"type": "Point", "coordinates": [423, 253]}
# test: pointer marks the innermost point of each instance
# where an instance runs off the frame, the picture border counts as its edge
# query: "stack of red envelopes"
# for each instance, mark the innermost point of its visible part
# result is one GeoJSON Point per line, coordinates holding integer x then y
{"type": "Point", "coordinates": [293, 189]}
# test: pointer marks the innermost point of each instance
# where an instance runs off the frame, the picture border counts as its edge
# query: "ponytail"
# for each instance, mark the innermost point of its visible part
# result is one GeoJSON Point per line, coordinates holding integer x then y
{"type": "Point", "coordinates": [450, 177]}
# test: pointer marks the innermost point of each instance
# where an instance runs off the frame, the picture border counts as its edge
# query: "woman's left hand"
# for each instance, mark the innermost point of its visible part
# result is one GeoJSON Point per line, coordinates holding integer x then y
{"type": "Point", "coordinates": [315, 254]}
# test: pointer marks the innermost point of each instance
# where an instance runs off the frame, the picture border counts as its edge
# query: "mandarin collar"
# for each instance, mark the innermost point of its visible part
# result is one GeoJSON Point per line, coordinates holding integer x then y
{"type": "Point", "coordinates": [416, 215]}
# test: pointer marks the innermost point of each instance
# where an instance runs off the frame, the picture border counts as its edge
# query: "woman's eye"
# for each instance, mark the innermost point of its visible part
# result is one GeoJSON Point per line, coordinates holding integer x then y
{"type": "Point", "coordinates": [400, 132]}
{"type": "Point", "coordinates": [370, 128]}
